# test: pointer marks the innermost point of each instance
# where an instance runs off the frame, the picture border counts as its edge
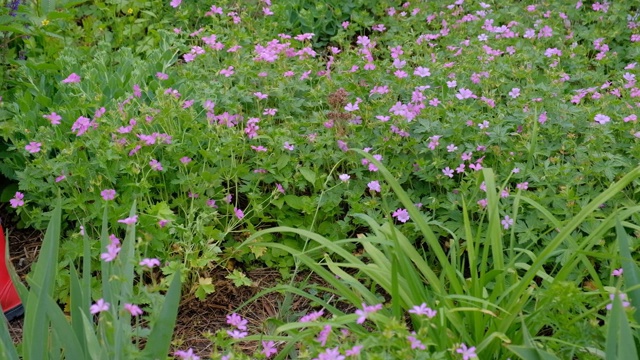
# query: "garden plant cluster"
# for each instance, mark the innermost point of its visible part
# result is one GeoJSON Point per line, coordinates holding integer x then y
{"type": "Point", "coordinates": [463, 173]}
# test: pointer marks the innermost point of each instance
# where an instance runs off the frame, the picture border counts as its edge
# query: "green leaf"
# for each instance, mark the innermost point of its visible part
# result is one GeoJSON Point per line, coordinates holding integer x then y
{"type": "Point", "coordinates": [529, 350]}
{"type": "Point", "coordinates": [619, 343]}
{"type": "Point", "coordinates": [159, 340]}
{"type": "Point", "coordinates": [308, 174]}
{"type": "Point", "coordinates": [283, 161]}
{"type": "Point", "coordinates": [295, 202]}
{"type": "Point", "coordinates": [36, 327]}
{"type": "Point", "coordinates": [630, 269]}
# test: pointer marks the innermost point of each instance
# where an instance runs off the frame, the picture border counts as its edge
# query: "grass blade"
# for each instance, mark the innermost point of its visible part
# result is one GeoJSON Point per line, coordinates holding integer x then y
{"type": "Point", "coordinates": [630, 269]}
{"type": "Point", "coordinates": [159, 340]}
{"type": "Point", "coordinates": [36, 328]}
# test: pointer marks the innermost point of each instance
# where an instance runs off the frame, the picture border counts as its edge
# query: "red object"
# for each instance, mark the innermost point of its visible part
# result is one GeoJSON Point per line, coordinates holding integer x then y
{"type": "Point", "coordinates": [9, 299]}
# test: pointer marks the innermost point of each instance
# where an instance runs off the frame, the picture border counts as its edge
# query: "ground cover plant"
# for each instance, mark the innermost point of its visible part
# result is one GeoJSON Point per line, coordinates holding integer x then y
{"type": "Point", "coordinates": [369, 129]}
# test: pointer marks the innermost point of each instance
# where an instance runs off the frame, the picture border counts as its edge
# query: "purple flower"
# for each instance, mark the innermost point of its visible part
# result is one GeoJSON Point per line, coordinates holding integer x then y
{"type": "Point", "coordinates": [53, 118]}
{"type": "Point", "coordinates": [73, 78]}
{"type": "Point", "coordinates": [134, 310]}
{"type": "Point", "coordinates": [601, 119]}
{"type": "Point", "coordinates": [268, 349]}
{"type": "Point", "coordinates": [237, 334]}
{"type": "Point", "coordinates": [422, 309]}
{"type": "Point", "coordinates": [81, 125]}
{"type": "Point", "coordinates": [366, 311]}
{"type": "Point", "coordinates": [415, 343]}
{"type": "Point", "coordinates": [108, 194]}
{"type": "Point", "coordinates": [186, 355]}
{"type": "Point", "coordinates": [506, 222]}
{"type": "Point", "coordinates": [112, 252]}
{"type": "Point", "coordinates": [313, 316]}
{"type": "Point", "coordinates": [617, 272]}
{"type": "Point", "coordinates": [237, 321]}
{"type": "Point", "coordinates": [402, 215]}
{"type": "Point", "coordinates": [324, 335]}
{"type": "Point", "coordinates": [330, 354]}
{"type": "Point", "coordinates": [33, 147]}
{"type": "Point", "coordinates": [17, 200]}
{"type": "Point", "coordinates": [156, 165]}
{"type": "Point", "coordinates": [374, 186]}
{"type": "Point", "coordinates": [354, 351]}
{"type": "Point", "coordinates": [99, 306]}
{"type": "Point", "coordinates": [129, 220]}
{"type": "Point", "coordinates": [150, 263]}
{"type": "Point", "coordinates": [467, 353]}
{"type": "Point", "coordinates": [623, 298]}
{"type": "Point", "coordinates": [239, 213]}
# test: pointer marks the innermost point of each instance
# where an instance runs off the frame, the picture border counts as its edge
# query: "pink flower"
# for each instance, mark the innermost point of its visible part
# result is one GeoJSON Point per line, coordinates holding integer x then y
{"type": "Point", "coordinates": [268, 349]}
{"type": "Point", "coordinates": [313, 316]}
{"type": "Point", "coordinates": [81, 125]}
{"type": "Point", "coordinates": [73, 78]}
{"type": "Point", "coordinates": [175, 3]}
{"type": "Point", "coordinates": [53, 118]}
{"type": "Point", "coordinates": [344, 177]}
{"type": "Point", "coordinates": [99, 306]}
{"type": "Point", "coordinates": [150, 263]}
{"type": "Point", "coordinates": [467, 353]}
{"type": "Point", "coordinates": [129, 220]}
{"type": "Point", "coordinates": [422, 71]}
{"type": "Point", "coordinates": [162, 76]}
{"type": "Point", "coordinates": [623, 298]}
{"type": "Point", "coordinates": [134, 310]}
{"type": "Point", "coordinates": [185, 160]}
{"type": "Point", "coordinates": [162, 223]}
{"type": "Point", "coordinates": [402, 215]}
{"type": "Point", "coordinates": [33, 147]}
{"type": "Point", "coordinates": [108, 194]}
{"type": "Point", "coordinates": [374, 186]}
{"type": "Point", "coordinates": [464, 94]}
{"type": "Point", "coordinates": [514, 93]}
{"type": "Point", "coordinates": [155, 165]}
{"type": "Point", "coordinates": [60, 178]}
{"type": "Point", "coordinates": [354, 351]}
{"type": "Point", "coordinates": [422, 309]}
{"type": "Point", "coordinates": [415, 343]}
{"type": "Point", "coordinates": [323, 336]}
{"type": "Point", "coordinates": [366, 311]}
{"type": "Point", "coordinates": [617, 272]}
{"type": "Point", "coordinates": [237, 321]}
{"type": "Point", "coordinates": [542, 118]}
{"type": "Point", "coordinates": [601, 119]}
{"type": "Point", "coordinates": [17, 200]}
{"type": "Point", "coordinates": [506, 222]}
{"type": "Point", "coordinates": [239, 214]}
{"type": "Point", "coordinates": [186, 355]}
{"type": "Point", "coordinates": [237, 334]}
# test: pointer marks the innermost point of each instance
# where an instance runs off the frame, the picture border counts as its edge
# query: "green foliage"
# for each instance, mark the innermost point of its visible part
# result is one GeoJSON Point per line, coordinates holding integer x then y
{"type": "Point", "coordinates": [49, 332]}
{"type": "Point", "coordinates": [492, 304]}
{"type": "Point", "coordinates": [221, 121]}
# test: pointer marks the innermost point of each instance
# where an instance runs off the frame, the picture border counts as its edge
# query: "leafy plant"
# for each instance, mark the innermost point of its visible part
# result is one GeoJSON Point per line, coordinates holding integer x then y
{"type": "Point", "coordinates": [482, 290]}
{"type": "Point", "coordinates": [50, 333]}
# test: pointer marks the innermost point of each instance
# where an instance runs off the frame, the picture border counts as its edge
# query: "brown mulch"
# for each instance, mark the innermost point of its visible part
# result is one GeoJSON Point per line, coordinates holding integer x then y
{"type": "Point", "coordinates": [196, 318]}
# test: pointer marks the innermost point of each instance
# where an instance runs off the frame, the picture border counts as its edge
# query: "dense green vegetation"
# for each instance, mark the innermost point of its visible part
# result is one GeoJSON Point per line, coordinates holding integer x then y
{"type": "Point", "coordinates": [465, 173]}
